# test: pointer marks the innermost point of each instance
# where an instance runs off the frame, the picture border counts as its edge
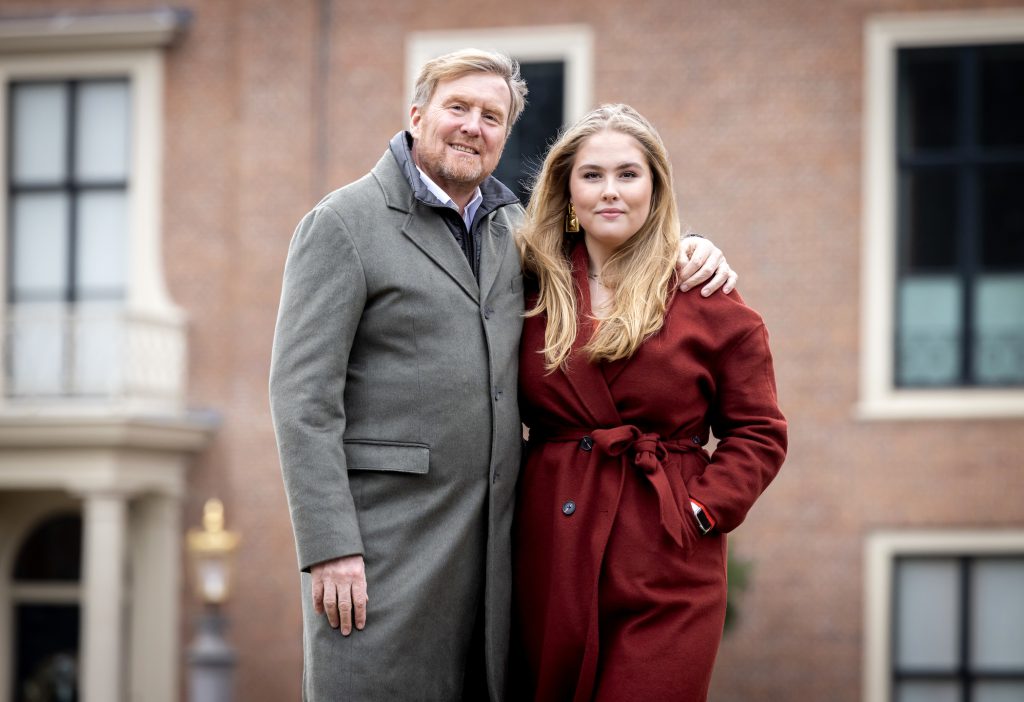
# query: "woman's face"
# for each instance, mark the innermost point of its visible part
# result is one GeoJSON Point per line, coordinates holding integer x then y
{"type": "Point", "coordinates": [610, 185]}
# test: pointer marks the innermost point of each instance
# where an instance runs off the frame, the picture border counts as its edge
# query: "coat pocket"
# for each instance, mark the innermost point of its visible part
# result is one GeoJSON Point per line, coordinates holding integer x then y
{"type": "Point", "coordinates": [398, 457]}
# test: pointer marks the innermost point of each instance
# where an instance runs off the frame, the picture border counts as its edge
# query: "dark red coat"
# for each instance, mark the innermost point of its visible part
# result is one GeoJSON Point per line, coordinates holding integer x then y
{"type": "Point", "coordinates": [618, 596]}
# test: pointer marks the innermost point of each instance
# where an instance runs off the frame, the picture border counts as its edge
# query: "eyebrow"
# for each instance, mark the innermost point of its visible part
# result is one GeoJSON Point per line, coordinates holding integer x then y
{"type": "Point", "coordinates": [486, 107]}
{"type": "Point", "coordinates": [626, 164]}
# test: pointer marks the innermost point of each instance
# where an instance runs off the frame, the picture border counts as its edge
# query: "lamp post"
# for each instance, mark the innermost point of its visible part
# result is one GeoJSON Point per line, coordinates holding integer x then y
{"type": "Point", "coordinates": [211, 659]}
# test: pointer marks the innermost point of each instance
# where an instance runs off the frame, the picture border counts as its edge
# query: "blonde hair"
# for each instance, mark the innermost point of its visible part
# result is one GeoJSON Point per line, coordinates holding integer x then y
{"type": "Point", "coordinates": [639, 271]}
{"type": "Point", "coordinates": [466, 61]}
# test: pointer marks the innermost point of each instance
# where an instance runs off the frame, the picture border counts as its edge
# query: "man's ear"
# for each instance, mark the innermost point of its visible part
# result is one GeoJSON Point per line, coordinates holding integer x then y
{"type": "Point", "coordinates": [415, 117]}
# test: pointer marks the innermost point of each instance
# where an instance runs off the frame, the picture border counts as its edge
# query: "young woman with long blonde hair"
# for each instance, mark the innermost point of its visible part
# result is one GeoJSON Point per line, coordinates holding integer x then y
{"type": "Point", "coordinates": [621, 519]}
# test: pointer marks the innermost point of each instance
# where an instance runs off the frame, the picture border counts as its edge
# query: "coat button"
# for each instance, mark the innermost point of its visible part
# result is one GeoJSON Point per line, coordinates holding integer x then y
{"type": "Point", "coordinates": [488, 311]}
{"type": "Point", "coordinates": [568, 508]}
{"type": "Point", "coordinates": [586, 443]}
{"type": "Point", "coordinates": [696, 440]}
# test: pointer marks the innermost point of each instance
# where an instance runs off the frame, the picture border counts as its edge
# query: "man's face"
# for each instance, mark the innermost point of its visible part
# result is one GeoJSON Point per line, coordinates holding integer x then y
{"type": "Point", "coordinates": [458, 136]}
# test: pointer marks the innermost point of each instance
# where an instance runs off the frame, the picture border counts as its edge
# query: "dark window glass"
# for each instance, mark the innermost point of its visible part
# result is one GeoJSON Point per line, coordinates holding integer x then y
{"type": "Point", "coordinates": [536, 129]}
{"type": "Point", "coordinates": [53, 551]}
{"type": "Point", "coordinates": [960, 212]}
{"type": "Point", "coordinates": [929, 96]}
{"type": "Point", "coordinates": [1002, 95]}
{"type": "Point", "coordinates": [1002, 211]}
{"type": "Point", "coordinates": [930, 217]}
{"type": "Point", "coordinates": [46, 653]}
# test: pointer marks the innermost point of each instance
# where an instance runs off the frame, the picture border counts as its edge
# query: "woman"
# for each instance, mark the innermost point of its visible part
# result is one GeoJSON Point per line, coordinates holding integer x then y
{"type": "Point", "coordinates": [620, 548]}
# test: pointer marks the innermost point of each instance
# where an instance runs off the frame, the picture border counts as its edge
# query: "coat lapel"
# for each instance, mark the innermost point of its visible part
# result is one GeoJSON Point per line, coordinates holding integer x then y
{"type": "Point", "coordinates": [494, 238]}
{"type": "Point", "coordinates": [430, 234]}
{"type": "Point", "coordinates": [425, 229]}
{"type": "Point", "coordinates": [586, 378]}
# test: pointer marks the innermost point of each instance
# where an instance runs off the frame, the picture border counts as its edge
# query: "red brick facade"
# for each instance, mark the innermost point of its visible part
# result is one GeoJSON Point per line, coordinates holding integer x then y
{"type": "Point", "coordinates": [270, 104]}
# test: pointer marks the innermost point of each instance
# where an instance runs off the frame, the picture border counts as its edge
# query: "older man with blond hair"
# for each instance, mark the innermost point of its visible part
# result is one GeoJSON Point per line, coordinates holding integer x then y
{"type": "Point", "coordinates": [393, 392]}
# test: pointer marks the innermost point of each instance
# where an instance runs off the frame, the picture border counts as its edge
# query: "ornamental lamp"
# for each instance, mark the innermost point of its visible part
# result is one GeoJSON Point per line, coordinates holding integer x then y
{"type": "Point", "coordinates": [210, 550]}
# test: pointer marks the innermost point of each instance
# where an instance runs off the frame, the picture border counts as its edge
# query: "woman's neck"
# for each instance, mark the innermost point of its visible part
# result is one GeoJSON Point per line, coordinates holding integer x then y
{"type": "Point", "coordinates": [601, 294]}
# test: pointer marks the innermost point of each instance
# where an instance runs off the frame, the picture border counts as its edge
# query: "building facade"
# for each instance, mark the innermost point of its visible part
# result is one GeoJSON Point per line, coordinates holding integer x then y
{"type": "Point", "coordinates": [861, 162]}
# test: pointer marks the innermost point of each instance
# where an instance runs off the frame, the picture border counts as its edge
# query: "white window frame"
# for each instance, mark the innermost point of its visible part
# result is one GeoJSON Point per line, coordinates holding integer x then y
{"type": "Point", "coordinates": [572, 44]}
{"type": "Point", "coordinates": [138, 42]}
{"type": "Point", "coordinates": [880, 554]}
{"type": "Point", "coordinates": [884, 35]}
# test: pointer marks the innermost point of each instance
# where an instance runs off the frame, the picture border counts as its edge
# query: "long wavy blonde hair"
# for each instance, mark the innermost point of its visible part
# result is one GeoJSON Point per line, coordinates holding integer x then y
{"type": "Point", "coordinates": [639, 271]}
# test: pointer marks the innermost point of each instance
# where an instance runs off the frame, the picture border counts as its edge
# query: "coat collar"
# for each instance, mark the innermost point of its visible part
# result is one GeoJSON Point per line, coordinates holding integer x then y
{"type": "Point", "coordinates": [404, 191]}
{"type": "Point", "coordinates": [495, 194]}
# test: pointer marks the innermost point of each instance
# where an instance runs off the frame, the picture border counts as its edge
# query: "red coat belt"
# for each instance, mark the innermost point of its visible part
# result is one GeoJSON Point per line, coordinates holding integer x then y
{"type": "Point", "coordinates": [647, 453]}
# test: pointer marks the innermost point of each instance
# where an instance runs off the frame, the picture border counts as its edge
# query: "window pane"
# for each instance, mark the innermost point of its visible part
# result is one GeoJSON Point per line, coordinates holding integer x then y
{"type": "Point", "coordinates": [997, 614]}
{"type": "Point", "coordinates": [999, 329]}
{"type": "Point", "coordinates": [928, 692]}
{"type": "Point", "coordinates": [928, 98]}
{"type": "Point", "coordinates": [40, 134]}
{"type": "Point", "coordinates": [927, 597]}
{"type": "Point", "coordinates": [101, 131]}
{"type": "Point", "coordinates": [53, 551]}
{"type": "Point", "coordinates": [998, 692]}
{"type": "Point", "coordinates": [46, 652]}
{"type": "Point", "coordinates": [929, 212]}
{"type": "Point", "coordinates": [1002, 218]}
{"type": "Point", "coordinates": [1002, 95]}
{"type": "Point", "coordinates": [536, 129]}
{"type": "Point", "coordinates": [40, 242]}
{"type": "Point", "coordinates": [928, 338]}
{"type": "Point", "coordinates": [102, 245]}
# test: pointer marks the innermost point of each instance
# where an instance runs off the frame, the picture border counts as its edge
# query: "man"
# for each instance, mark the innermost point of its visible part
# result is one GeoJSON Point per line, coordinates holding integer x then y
{"type": "Point", "coordinates": [393, 391]}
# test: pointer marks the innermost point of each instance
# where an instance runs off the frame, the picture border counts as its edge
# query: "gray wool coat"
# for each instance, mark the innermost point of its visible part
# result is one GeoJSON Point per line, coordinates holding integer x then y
{"type": "Point", "coordinates": [393, 394]}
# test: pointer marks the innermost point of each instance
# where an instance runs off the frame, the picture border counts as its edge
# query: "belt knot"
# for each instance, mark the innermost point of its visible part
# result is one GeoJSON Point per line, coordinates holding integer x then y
{"type": "Point", "coordinates": [646, 448]}
{"type": "Point", "coordinates": [648, 454]}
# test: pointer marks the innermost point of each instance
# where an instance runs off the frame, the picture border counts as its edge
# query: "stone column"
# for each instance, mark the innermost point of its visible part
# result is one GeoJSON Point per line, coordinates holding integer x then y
{"type": "Point", "coordinates": [155, 594]}
{"type": "Point", "coordinates": [103, 560]}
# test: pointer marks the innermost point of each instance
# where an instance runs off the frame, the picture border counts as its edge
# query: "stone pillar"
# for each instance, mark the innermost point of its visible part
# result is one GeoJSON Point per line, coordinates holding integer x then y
{"type": "Point", "coordinates": [155, 579]}
{"type": "Point", "coordinates": [103, 559]}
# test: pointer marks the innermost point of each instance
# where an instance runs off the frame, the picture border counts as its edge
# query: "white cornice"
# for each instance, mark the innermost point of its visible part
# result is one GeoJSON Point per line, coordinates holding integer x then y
{"type": "Point", "coordinates": [186, 434]}
{"type": "Point", "coordinates": [68, 31]}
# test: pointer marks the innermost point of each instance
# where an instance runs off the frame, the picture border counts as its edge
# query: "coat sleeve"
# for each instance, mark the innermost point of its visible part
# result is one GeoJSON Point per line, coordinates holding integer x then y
{"type": "Point", "coordinates": [322, 301]}
{"type": "Point", "coordinates": [751, 432]}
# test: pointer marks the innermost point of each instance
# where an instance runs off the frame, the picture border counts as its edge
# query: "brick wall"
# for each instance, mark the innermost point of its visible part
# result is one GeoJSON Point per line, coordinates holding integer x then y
{"type": "Point", "coordinates": [760, 105]}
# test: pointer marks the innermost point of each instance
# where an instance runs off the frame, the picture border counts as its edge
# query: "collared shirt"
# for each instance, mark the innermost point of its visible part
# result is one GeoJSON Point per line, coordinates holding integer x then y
{"type": "Point", "coordinates": [471, 208]}
{"type": "Point", "coordinates": [495, 196]}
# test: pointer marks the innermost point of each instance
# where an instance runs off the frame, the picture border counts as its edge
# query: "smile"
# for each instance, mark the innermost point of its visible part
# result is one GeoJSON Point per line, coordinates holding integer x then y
{"type": "Point", "coordinates": [464, 149]}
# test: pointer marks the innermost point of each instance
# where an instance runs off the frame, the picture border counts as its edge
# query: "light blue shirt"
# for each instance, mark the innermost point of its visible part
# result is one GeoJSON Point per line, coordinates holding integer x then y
{"type": "Point", "coordinates": [471, 208]}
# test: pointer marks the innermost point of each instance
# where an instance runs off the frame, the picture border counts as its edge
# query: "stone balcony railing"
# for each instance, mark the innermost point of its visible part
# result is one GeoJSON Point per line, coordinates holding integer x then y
{"type": "Point", "coordinates": [96, 355]}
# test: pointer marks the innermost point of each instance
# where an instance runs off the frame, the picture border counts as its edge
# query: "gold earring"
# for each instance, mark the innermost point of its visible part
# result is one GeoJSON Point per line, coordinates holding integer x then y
{"type": "Point", "coordinates": [572, 222]}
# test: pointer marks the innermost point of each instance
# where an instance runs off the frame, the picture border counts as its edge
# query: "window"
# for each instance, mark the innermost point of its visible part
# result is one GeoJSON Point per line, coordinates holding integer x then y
{"type": "Point", "coordinates": [944, 617]}
{"type": "Point", "coordinates": [68, 237]}
{"type": "Point", "coordinates": [86, 318]}
{"type": "Point", "coordinates": [960, 264]}
{"type": "Point", "coordinates": [958, 629]}
{"type": "Point", "coordinates": [536, 129]}
{"type": "Point", "coordinates": [556, 63]}
{"type": "Point", "coordinates": [47, 612]}
{"type": "Point", "coordinates": [943, 267]}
